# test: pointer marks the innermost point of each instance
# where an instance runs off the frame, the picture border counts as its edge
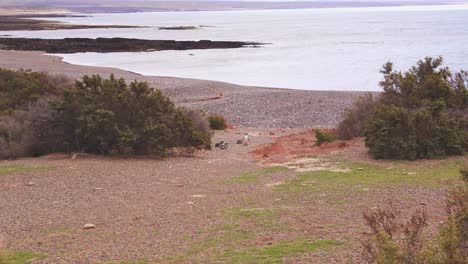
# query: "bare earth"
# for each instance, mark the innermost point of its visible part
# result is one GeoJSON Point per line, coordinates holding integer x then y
{"type": "Point", "coordinates": [221, 206]}
{"type": "Point", "coordinates": [194, 210]}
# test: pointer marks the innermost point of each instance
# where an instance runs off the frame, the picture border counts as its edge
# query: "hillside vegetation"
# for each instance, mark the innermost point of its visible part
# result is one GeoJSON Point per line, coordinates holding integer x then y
{"type": "Point", "coordinates": [422, 113]}
{"type": "Point", "coordinates": [40, 114]}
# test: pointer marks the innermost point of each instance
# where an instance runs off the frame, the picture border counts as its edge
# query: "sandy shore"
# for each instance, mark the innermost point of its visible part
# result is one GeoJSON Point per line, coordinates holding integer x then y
{"type": "Point", "coordinates": [243, 106]}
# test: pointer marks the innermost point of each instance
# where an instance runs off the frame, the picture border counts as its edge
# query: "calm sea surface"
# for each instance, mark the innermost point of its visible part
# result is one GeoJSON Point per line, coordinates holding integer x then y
{"type": "Point", "coordinates": [313, 49]}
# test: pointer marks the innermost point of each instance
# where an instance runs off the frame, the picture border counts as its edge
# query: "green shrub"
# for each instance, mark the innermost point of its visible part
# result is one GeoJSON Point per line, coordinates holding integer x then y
{"type": "Point", "coordinates": [422, 113]}
{"type": "Point", "coordinates": [106, 116]}
{"type": "Point", "coordinates": [355, 118]}
{"type": "Point", "coordinates": [19, 88]}
{"type": "Point", "coordinates": [323, 136]}
{"type": "Point", "coordinates": [217, 122]}
{"type": "Point", "coordinates": [96, 115]}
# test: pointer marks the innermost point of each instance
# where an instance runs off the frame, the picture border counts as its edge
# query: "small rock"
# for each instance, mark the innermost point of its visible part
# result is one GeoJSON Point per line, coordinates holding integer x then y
{"type": "Point", "coordinates": [89, 226]}
{"type": "Point", "coordinates": [98, 189]}
{"type": "Point", "coordinates": [360, 168]}
{"type": "Point", "coordinates": [411, 173]}
{"type": "Point", "coordinates": [198, 195]}
{"type": "Point", "coordinates": [190, 203]}
{"type": "Point", "coordinates": [30, 183]}
{"type": "Point", "coordinates": [423, 203]}
{"type": "Point", "coordinates": [179, 185]}
{"type": "Point", "coordinates": [365, 189]}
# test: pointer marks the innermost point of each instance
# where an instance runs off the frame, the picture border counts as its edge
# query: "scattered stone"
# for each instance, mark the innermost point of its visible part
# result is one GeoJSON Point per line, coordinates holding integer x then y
{"type": "Point", "coordinates": [360, 169]}
{"type": "Point", "coordinates": [273, 184]}
{"type": "Point", "coordinates": [98, 189]}
{"type": "Point", "coordinates": [30, 183]}
{"type": "Point", "coordinates": [89, 226]}
{"type": "Point", "coordinates": [198, 195]}
{"type": "Point", "coordinates": [190, 203]}
{"type": "Point", "coordinates": [365, 189]}
{"type": "Point", "coordinates": [411, 173]}
{"type": "Point", "coordinates": [423, 203]}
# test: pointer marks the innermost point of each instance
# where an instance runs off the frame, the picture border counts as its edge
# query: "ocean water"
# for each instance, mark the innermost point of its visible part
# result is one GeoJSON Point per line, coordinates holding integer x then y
{"type": "Point", "coordinates": [311, 49]}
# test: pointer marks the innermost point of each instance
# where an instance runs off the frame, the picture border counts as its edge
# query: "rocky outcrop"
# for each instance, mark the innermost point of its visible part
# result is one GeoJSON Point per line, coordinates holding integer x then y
{"type": "Point", "coordinates": [103, 45]}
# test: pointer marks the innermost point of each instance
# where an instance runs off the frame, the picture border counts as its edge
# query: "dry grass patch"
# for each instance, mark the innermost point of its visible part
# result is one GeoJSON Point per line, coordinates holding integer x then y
{"type": "Point", "coordinates": [10, 169]}
{"type": "Point", "coordinates": [276, 253]}
{"type": "Point", "coordinates": [20, 257]}
{"type": "Point", "coordinates": [253, 176]}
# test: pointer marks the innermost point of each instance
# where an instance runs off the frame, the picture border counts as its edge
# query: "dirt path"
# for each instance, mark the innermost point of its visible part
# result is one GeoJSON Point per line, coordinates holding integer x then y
{"type": "Point", "coordinates": [222, 206]}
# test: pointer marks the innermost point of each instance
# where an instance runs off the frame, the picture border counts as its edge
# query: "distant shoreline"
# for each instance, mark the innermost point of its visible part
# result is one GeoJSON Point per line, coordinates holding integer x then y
{"type": "Point", "coordinates": [109, 6]}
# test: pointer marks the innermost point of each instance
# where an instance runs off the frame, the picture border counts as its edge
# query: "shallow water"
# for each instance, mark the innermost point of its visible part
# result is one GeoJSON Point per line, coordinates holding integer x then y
{"type": "Point", "coordinates": [312, 49]}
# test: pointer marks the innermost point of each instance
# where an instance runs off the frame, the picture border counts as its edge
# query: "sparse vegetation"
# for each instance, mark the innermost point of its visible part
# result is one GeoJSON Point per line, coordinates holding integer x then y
{"type": "Point", "coordinates": [422, 113]}
{"type": "Point", "coordinates": [392, 241]}
{"type": "Point", "coordinates": [252, 176]}
{"type": "Point", "coordinates": [278, 252]}
{"type": "Point", "coordinates": [9, 169]}
{"type": "Point", "coordinates": [323, 136]}
{"type": "Point", "coordinates": [20, 257]}
{"type": "Point", "coordinates": [217, 122]}
{"type": "Point", "coordinates": [363, 175]}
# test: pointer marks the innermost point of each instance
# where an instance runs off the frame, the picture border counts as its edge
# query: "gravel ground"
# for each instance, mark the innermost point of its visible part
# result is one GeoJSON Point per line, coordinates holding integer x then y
{"type": "Point", "coordinates": [243, 106]}
{"type": "Point", "coordinates": [159, 209]}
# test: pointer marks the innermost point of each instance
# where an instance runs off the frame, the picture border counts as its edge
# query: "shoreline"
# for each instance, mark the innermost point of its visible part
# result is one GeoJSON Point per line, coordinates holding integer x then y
{"type": "Point", "coordinates": [242, 106]}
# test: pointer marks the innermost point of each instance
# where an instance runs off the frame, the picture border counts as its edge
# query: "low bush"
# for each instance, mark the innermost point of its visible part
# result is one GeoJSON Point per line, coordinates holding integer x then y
{"type": "Point", "coordinates": [217, 122]}
{"type": "Point", "coordinates": [356, 117]}
{"type": "Point", "coordinates": [100, 116]}
{"type": "Point", "coordinates": [323, 136]}
{"type": "Point", "coordinates": [421, 113]}
{"type": "Point", "coordinates": [107, 116]}
{"type": "Point", "coordinates": [19, 88]}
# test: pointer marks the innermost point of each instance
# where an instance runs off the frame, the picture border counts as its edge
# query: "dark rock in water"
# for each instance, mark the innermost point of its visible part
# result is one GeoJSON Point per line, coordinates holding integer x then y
{"type": "Point", "coordinates": [178, 28]}
{"type": "Point", "coordinates": [103, 45]}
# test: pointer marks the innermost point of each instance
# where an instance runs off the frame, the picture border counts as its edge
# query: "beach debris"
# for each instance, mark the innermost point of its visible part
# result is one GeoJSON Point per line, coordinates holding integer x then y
{"type": "Point", "coordinates": [89, 226]}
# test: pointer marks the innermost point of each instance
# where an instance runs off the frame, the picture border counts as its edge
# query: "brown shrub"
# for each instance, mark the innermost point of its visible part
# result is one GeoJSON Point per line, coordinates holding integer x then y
{"type": "Point", "coordinates": [217, 122]}
{"type": "Point", "coordinates": [355, 117]}
{"type": "Point", "coordinates": [392, 241]}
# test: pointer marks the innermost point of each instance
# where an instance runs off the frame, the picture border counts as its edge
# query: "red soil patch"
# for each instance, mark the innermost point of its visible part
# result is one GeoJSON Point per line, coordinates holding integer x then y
{"type": "Point", "coordinates": [296, 144]}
